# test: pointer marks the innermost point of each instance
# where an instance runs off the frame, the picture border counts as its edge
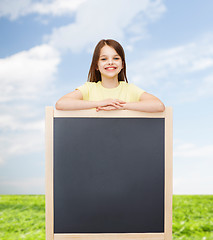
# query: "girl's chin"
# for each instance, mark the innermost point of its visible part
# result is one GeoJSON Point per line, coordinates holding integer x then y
{"type": "Point", "coordinates": [109, 76]}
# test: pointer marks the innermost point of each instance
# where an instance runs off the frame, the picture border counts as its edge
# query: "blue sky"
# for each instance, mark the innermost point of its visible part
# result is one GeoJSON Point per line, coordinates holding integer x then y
{"type": "Point", "coordinates": [45, 52]}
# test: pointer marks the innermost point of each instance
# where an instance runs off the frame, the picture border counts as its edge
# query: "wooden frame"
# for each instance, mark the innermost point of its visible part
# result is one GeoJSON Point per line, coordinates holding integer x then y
{"type": "Point", "coordinates": [167, 234]}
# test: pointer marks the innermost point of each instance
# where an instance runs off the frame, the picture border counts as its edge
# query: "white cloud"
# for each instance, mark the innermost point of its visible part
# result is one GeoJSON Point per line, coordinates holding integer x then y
{"type": "Point", "coordinates": [26, 142]}
{"type": "Point", "coordinates": [11, 122]}
{"type": "Point", "coordinates": [192, 167]}
{"type": "Point", "coordinates": [27, 78]}
{"type": "Point", "coordinates": [96, 20]}
{"type": "Point", "coordinates": [57, 7]}
{"type": "Point", "coordinates": [207, 86]}
{"type": "Point", "coordinates": [26, 74]}
{"type": "Point", "coordinates": [191, 151]}
{"type": "Point", "coordinates": [185, 71]}
{"type": "Point", "coordinates": [1, 160]}
{"type": "Point", "coordinates": [15, 9]}
{"type": "Point", "coordinates": [21, 142]}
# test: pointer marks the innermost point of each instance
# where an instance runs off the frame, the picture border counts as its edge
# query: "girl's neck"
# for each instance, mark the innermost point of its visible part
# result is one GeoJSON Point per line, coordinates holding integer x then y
{"type": "Point", "coordinates": [109, 82]}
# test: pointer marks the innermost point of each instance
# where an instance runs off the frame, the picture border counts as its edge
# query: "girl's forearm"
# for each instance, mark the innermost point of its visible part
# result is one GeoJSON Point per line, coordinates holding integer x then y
{"type": "Point", "coordinates": [145, 106]}
{"type": "Point", "coordinates": [74, 104]}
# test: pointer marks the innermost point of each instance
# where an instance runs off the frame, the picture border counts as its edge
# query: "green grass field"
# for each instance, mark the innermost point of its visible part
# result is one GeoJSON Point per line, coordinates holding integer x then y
{"type": "Point", "coordinates": [23, 217]}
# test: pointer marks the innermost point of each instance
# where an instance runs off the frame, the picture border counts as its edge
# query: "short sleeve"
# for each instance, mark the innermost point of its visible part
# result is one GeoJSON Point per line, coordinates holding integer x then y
{"type": "Point", "coordinates": [136, 92]}
{"type": "Point", "coordinates": [84, 90]}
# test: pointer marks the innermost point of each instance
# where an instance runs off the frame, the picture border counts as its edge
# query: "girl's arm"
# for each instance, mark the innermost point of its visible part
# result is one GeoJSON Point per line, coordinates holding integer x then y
{"type": "Point", "coordinates": [147, 103]}
{"type": "Point", "coordinates": [74, 101]}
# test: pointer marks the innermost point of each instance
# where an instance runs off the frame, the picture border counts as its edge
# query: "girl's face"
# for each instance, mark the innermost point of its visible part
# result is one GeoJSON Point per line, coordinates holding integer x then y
{"type": "Point", "coordinates": [109, 63]}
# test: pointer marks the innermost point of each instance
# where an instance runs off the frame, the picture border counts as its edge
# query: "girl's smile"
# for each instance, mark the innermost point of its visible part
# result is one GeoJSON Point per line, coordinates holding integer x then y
{"type": "Point", "coordinates": [110, 68]}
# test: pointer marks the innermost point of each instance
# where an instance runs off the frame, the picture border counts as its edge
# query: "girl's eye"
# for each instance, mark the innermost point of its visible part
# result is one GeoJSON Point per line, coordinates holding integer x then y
{"type": "Point", "coordinates": [115, 58]}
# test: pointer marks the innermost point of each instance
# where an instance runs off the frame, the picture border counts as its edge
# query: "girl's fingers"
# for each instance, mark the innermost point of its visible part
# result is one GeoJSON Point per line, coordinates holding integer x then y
{"type": "Point", "coordinates": [120, 101]}
{"type": "Point", "coordinates": [116, 105]}
{"type": "Point", "coordinates": [120, 105]}
{"type": "Point", "coordinates": [109, 108]}
{"type": "Point", "coordinates": [113, 102]}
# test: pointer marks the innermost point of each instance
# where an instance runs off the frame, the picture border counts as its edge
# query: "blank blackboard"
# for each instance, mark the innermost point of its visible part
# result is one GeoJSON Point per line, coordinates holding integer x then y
{"type": "Point", "coordinates": [108, 175]}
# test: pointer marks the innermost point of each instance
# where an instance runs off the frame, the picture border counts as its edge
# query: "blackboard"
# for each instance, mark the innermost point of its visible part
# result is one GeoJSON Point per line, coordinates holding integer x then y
{"type": "Point", "coordinates": [109, 175]}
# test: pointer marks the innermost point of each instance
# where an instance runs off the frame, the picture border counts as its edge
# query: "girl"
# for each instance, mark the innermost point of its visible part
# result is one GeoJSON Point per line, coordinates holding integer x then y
{"type": "Point", "coordinates": [107, 87]}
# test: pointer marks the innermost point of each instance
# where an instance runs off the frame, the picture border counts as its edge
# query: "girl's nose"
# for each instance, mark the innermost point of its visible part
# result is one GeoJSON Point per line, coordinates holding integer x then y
{"type": "Point", "coordinates": [110, 61]}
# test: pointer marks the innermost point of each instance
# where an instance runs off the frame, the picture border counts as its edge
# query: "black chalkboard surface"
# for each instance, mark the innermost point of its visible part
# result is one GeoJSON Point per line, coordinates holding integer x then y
{"type": "Point", "coordinates": [108, 175]}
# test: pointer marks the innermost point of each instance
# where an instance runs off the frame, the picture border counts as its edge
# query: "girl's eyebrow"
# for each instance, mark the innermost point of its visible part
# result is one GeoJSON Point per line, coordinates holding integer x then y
{"type": "Point", "coordinates": [106, 55]}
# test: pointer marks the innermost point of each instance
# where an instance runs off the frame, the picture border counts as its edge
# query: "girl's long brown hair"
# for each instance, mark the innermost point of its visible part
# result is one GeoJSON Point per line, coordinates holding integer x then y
{"type": "Point", "coordinates": [94, 74]}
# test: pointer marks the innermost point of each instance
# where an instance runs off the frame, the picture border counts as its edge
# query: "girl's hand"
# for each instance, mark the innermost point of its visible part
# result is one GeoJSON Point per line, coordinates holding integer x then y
{"type": "Point", "coordinates": [109, 108]}
{"type": "Point", "coordinates": [111, 104]}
